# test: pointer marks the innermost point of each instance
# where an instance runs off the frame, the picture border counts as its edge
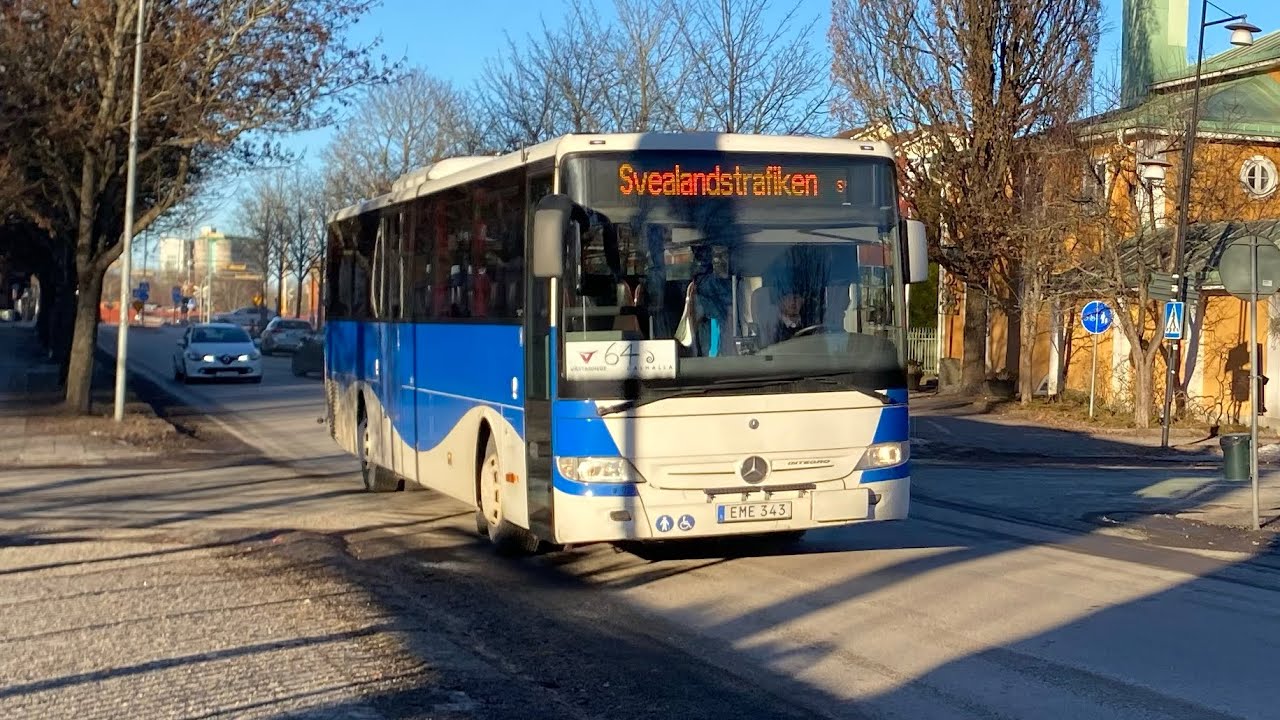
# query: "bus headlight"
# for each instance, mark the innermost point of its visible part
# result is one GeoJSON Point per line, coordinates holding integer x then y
{"type": "Point", "coordinates": [598, 470]}
{"type": "Point", "coordinates": [883, 455]}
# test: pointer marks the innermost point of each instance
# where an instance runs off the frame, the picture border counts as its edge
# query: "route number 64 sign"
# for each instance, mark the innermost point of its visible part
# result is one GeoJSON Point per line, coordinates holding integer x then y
{"type": "Point", "coordinates": [620, 359]}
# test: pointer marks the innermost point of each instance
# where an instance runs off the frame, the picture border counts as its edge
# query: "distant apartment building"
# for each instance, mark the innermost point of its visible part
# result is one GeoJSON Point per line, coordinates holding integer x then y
{"type": "Point", "coordinates": [175, 256]}
{"type": "Point", "coordinates": [233, 257]}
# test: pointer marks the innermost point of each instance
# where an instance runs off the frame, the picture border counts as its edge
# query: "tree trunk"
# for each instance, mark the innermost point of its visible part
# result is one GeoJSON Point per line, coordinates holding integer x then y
{"type": "Point", "coordinates": [1027, 327]}
{"type": "Point", "coordinates": [297, 301]}
{"type": "Point", "coordinates": [84, 341]}
{"type": "Point", "coordinates": [279, 287]}
{"type": "Point", "coordinates": [1142, 397]}
{"type": "Point", "coordinates": [973, 374]}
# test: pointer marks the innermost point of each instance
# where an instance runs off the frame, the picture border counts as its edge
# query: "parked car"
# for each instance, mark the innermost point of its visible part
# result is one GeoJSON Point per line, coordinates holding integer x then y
{"type": "Point", "coordinates": [309, 357]}
{"type": "Point", "coordinates": [216, 350]}
{"type": "Point", "coordinates": [283, 334]}
{"type": "Point", "coordinates": [252, 319]}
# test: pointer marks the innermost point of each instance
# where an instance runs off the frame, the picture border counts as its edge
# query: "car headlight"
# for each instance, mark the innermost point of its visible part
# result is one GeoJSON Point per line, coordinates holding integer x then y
{"type": "Point", "coordinates": [598, 470]}
{"type": "Point", "coordinates": [883, 455]}
{"type": "Point", "coordinates": [249, 356]}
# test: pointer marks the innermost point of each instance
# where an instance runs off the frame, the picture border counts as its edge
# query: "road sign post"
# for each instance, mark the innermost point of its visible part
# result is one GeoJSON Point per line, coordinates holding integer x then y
{"type": "Point", "coordinates": [1250, 269]}
{"type": "Point", "coordinates": [1096, 317]}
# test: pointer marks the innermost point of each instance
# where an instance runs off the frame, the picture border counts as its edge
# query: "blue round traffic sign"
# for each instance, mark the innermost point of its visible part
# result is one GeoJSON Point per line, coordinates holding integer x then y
{"type": "Point", "coordinates": [1096, 317]}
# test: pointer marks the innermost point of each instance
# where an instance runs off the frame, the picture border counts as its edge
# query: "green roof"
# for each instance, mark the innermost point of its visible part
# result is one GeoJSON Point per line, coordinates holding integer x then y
{"type": "Point", "coordinates": [1263, 49]}
{"type": "Point", "coordinates": [1205, 243]}
{"type": "Point", "coordinates": [1248, 105]}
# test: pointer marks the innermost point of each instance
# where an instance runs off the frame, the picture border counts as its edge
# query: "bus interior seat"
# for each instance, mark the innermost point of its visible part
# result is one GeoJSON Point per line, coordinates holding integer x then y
{"type": "Point", "coordinates": [763, 311]}
{"type": "Point", "coordinates": [835, 310]}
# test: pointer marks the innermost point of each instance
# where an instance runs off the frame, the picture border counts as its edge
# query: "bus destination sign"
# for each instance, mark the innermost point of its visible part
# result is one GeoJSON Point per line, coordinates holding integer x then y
{"type": "Point", "coordinates": [771, 181]}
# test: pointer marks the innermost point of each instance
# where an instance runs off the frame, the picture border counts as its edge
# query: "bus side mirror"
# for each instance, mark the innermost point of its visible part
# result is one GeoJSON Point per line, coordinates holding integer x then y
{"type": "Point", "coordinates": [550, 223]}
{"type": "Point", "coordinates": [917, 269]}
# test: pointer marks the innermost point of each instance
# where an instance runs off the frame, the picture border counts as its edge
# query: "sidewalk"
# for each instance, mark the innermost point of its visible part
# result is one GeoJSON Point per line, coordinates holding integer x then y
{"type": "Point", "coordinates": [35, 429]}
{"type": "Point", "coordinates": [949, 427]}
{"type": "Point", "coordinates": [1121, 483]}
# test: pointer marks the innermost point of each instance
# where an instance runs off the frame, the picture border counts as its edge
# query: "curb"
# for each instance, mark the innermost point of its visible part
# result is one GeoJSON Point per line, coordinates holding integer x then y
{"type": "Point", "coordinates": [929, 449]}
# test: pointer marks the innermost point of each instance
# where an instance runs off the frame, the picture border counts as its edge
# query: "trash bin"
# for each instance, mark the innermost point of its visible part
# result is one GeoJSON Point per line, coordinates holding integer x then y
{"type": "Point", "coordinates": [1235, 456]}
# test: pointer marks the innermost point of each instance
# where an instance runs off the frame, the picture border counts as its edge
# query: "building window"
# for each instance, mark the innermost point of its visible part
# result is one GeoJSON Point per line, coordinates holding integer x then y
{"type": "Point", "coordinates": [1259, 176]}
{"type": "Point", "coordinates": [1097, 185]}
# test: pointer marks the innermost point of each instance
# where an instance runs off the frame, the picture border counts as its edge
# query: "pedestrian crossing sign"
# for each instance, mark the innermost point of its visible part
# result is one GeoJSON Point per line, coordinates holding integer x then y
{"type": "Point", "coordinates": [1173, 320]}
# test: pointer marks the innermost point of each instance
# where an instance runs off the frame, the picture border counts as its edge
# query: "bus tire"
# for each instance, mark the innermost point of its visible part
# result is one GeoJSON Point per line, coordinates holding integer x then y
{"type": "Point", "coordinates": [376, 479]}
{"type": "Point", "coordinates": [507, 538]}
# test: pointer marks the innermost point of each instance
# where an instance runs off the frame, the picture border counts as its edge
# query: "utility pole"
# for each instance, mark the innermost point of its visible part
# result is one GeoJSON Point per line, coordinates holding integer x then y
{"type": "Point", "coordinates": [126, 256]}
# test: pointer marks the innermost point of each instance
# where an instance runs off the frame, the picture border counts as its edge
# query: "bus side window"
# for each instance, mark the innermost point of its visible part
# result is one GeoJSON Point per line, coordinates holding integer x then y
{"type": "Point", "coordinates": [538, 315]}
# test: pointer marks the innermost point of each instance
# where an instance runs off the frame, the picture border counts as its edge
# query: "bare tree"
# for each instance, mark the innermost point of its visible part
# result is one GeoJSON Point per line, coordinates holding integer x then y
{"type": "Point", "coordinates": [1123, 225]}
{"type": "Point", "coordinates": [578, 59]}
{"type": "Point", "coordinates": [214, 74]}
{"type": "Point", "coordinates": [263, 217]}
{"type": "Point", "coordinates": [521, 101]}
{"type": "Point", "coordinates": [413, 122]}
{"type": "Point", "coordinates": [1042, 253]}
{"type": "Point", "coordinates": [305, 229]}
{"type": "Point", "coordinates": [648, 67]}
{"type": "Point", "coordinates": [965, 80]}
{"type": "Point", "coordinates": [747, 71]}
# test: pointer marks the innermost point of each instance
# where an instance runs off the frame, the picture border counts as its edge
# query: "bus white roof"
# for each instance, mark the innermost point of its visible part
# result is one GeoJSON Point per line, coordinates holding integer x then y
{"type": "Point", "coordinates": [455, 171]}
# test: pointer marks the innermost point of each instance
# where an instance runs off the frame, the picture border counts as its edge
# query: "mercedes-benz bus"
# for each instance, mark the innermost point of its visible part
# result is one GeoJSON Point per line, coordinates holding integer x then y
{"type": "Point", "coordinates": [631, 337]}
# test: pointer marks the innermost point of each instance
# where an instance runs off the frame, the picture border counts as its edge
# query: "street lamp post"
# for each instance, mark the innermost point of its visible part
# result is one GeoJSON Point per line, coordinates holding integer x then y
{"type": "Point", "coordinates": [126, 255]}
{"type": "Point", "coordinates": [1242, 36]}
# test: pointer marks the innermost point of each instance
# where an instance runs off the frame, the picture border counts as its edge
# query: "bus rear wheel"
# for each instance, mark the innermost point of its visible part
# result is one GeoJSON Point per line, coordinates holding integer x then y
{"type": "Point", "coordinates": [507, 538]}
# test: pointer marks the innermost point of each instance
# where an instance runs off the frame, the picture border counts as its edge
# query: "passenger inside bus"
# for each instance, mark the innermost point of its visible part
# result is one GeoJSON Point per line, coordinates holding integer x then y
{"type": "Point", "coordinates": [705, 325]}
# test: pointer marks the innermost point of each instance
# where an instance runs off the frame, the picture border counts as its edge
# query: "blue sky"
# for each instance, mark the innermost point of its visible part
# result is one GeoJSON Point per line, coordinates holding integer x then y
{"type": "Point", "coordinates": [453, 39]}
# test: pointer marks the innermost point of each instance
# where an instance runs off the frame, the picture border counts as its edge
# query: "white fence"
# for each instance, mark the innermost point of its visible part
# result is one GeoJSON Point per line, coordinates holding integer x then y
{"type": "Point", "coordinates": [922, 346]}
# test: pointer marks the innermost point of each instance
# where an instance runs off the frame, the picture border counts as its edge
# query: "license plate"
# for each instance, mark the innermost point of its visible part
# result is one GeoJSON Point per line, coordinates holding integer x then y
{"type": "Point", "coordinates": [747, 512]}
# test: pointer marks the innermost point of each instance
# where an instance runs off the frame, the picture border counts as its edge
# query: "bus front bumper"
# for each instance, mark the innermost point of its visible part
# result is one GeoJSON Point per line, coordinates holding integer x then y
{"type": "Point", "coordinates": [665, 515]}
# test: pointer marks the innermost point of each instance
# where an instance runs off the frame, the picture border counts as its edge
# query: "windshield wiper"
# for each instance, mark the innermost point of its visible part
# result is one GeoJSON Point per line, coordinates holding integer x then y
{"type": "Point", "coordinates": [767, 380]}
{"type": "Point", "coordinates": [633, 403]}
{"type": "Point", "coordinates": [730, 384]}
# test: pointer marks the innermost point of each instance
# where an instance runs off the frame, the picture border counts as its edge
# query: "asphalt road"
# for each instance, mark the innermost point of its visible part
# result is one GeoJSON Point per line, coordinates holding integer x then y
{"type": "Point", "coordinates": [948, 615]}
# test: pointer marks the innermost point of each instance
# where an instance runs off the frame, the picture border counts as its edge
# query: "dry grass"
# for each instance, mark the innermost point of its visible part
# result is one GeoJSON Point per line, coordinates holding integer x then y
{"type": "Point", "coordinates": [1071, 412]}
{"type": "Point", "coordinates": [140, 426]}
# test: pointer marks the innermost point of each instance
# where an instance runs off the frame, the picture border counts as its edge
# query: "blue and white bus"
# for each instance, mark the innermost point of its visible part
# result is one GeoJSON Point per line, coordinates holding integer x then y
{"type": "Point", "coordinates": [631, 337]}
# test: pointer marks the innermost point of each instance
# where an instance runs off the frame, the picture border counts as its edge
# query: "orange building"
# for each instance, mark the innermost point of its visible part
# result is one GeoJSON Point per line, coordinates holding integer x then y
{"type": "Point", "coordinates": [1233, 193]}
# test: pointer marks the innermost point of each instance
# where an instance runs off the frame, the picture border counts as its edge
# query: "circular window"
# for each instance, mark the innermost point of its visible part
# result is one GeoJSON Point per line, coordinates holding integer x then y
{"type": "Point", "coordinates": [1259, 176]}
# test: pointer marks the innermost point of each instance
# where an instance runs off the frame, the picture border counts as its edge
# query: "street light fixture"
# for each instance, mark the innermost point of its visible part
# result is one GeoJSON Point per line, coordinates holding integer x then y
{"type": "Point", "coordinates": [1242, 36]}
{"type": "Point", "coordinates": [1242, 32]}
{"type": "Point", "coordinates": [1153, 170]}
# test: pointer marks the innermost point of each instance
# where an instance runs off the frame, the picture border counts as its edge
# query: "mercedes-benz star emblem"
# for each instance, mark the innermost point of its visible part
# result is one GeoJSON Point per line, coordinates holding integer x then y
{"type": "Point", "coordinates": [754, 469]}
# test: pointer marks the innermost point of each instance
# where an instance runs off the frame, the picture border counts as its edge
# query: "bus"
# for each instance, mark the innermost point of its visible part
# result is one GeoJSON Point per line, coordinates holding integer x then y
{"type": "Point", "coordinates": [631, 337]}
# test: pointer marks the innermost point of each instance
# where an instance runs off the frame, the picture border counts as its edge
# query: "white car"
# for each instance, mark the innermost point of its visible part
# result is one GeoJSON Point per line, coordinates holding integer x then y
{"type": "Point", "coordinates": [284, 334]}
{"type": "Point", "coordinates": [217, 350]}
{"type": "Point", "coordinates": [252, 319]}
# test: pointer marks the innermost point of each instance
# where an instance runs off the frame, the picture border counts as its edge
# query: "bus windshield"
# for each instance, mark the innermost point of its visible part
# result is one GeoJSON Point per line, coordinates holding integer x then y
{"type": "Point", "coordinates": [707, 270]}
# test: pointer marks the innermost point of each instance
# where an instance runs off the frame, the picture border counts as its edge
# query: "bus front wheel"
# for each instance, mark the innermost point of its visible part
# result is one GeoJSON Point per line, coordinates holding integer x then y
{"type": "Point", "coordinates": [376, 479]}
{"type": "Point", "coordinates": [507, 538]}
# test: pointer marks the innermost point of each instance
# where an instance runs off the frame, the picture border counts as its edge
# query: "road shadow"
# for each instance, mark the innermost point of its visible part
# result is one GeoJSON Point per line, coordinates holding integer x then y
{"type": "Point", "coordinates": [1096, 662]}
